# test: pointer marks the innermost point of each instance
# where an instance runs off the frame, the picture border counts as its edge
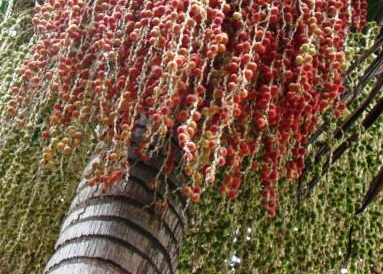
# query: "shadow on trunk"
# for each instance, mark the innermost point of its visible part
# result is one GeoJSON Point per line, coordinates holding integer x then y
{"type": "Point", "coordinates": [121, 231]}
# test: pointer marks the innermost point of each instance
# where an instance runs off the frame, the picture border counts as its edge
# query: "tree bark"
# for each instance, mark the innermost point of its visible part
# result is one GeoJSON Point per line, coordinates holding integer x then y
{"type": "Point", "coordinates": [119, 232]}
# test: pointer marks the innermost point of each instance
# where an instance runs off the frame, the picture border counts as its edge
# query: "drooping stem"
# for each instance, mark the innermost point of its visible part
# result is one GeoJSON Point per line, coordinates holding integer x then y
{"type": "Point", "coordinates": [375, 188]}
{"type": "Point", "coordinates": [367, 122]}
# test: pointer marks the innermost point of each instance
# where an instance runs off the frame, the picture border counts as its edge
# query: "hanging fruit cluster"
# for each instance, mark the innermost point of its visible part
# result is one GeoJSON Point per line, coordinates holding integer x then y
{"type": "Point", "coordinates": [33, 201]}
{"type": "Point", "coordinates": [239, 84]}
{"type": "Point", "coordinates": [314, 238]}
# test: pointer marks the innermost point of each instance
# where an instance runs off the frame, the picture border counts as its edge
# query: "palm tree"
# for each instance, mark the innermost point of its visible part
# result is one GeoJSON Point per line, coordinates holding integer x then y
{"type": "Point", "coordinates": [119, 232]}
{"type": "Point", "coordinates": [125, 230]}
{"type": "Point", "coordinates": [136, 226]}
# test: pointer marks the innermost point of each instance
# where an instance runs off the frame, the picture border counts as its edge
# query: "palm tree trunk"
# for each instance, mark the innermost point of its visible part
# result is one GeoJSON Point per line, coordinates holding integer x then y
{"type": "Point", "coordinates": [118, 232]}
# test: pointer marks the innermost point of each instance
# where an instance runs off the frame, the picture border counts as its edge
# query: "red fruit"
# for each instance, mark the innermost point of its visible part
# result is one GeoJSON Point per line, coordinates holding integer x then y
{"type": "Point", "coordinates": [224, 189]}
{"type": "Point", "coordinates": [233, 194]}
{"type": "Point", "coordinates": [35, 79]}
{"type": "Point", "coordinates": [231, 86]}
{"type": "Point", "coordinates": [45, 134]}
{"type": "Point", "coordinates": [245, 59]}
{"type": "Point", "coordinates": [271, 212]}
{"type": "Point", "coordinates": [232, 67]}
{"type": "Point", "coordinates": [48, 75]}
{"type": "Point", "coordinates": [157, 71]}
{"type": "Point", "coordinates": [191, 99]}
{"type": "Point", "coordinates": [272, 113]}
{"type": "Point", "coordinates": [254, 166]}
{"type": "Point", "coordinates": [191, 146]}
{"type": "Point", "coordinates": [210, 178]}
{"type": "Point", "coordinates": [265, 192]}
{"type": "Point", "coordinates": [117, 175]}
{"type": "Point", "coordinates": [249, 74]}
{"type": "Point", "coordinates": [187, 190]}
{"type": "Point", "coordinates": [133, 36]}
{"type": "Point", "coordinates": [259, 48]}
{"type": "Point", "coordinates": [272, 204]}
{"type": "Point", "coordinates": [157, 117]}
{"type": "Point", "coordinates": [252, 66]}
{"type": "Point", "coordinates": [197, 189]}
{"type": "Point", "coordinates": [221, 161]}
{"type": "Point", "coordinates": [188, 157]}
{"type": "Point", "coordinates": [260, 123]}
{"type": "Point", "coordinates": [195, 197]}
{"type": "Point", "coordinates": [104, 6]}
{"type": "Point", "coordinates": [273, 193]}
{"type": "Point", "coordinates": [237, 112]}
{"type": "Point", "coordinates": [104, 190]}
{"type": "Point", "coordinates": [267, 183]}
{"type": "Point", "coordinates": [236, 183]}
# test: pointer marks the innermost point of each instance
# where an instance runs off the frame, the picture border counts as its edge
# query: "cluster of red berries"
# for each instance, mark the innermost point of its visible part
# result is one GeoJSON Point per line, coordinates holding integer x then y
{"type": "Point", "coordinates": [359, 14]}
{"type": "Point", "coordinates": [239, 84]}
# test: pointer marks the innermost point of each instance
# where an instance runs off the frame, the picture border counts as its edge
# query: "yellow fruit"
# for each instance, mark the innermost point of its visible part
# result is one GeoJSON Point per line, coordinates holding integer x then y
{"type": "Point", "coordinates": [67, 150]}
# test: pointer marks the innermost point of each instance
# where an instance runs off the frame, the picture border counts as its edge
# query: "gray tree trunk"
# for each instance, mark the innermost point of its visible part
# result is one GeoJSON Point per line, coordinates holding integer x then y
{"type": "Point", "coordinates": [117, 232]}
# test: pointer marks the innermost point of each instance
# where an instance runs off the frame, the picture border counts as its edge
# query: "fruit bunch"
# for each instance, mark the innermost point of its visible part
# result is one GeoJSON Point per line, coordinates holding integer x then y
{"type": "Point", "coordinates": [33, 201]}
{"type": "Point", "coordinates": [235, 85]}
{"type": "Point", "coordinates": [237, 237]}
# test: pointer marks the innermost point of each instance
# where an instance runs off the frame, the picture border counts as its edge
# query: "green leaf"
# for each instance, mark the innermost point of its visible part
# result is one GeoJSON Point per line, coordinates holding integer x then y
{"type": "Point", "coordinates": [3, 6]}
{"type": "Point", "coordinates": [373, 7]}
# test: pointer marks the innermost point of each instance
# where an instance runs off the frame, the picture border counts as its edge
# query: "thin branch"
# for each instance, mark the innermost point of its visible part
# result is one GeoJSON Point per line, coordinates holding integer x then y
{"type": "Point", "coordinates": [360, 109]}
{"type": "Point", "coordinates": [367, 122]}
{"type": "Point", "coordinates": [374, 72]}
{"type": "Point", "coordinates": [374, 114]}
{"type": "Point", "coordinates": [375, 187]}
{"type": "Point", "coordinates": [339, 132]}
{"type": "Point", "coordinates": [368, 74]}
{"type": "Point", "coordinates": [365, 54]}
{"type": "Point", "coordinates": [330, 161]}
{"type": "Point", "coordinates": [379, 16]}
{"type": "Point", "coordinates": [350, 250]}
